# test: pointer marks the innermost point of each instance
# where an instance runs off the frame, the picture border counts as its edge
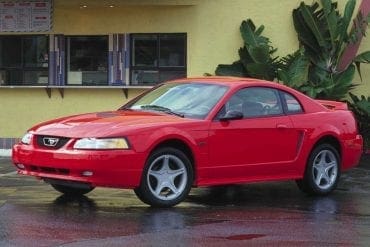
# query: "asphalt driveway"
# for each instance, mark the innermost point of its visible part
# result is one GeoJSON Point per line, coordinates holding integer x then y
{"type": "Point", "coordinates": [33, 214]}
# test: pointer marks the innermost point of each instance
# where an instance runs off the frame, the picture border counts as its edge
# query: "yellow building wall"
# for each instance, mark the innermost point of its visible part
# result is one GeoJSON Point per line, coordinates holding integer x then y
{"type": "Point", "coordinates": [22, 108]}
{"type": "Point", "coordinates": [212, 27]}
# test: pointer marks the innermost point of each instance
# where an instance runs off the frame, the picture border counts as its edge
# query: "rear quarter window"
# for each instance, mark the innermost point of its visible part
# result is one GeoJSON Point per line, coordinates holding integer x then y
{"type": "Point", "coordinates": [292, 104]}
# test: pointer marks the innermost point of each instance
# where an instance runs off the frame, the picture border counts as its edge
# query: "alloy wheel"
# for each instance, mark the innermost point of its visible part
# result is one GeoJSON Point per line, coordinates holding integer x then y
{"type": "Point", "coordinates": [167, 177]}
{"type": "Point", "coordinates": [325, 169]}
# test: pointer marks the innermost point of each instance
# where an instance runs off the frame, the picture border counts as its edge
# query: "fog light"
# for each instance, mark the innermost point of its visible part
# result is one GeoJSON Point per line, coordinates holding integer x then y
{"type": "Point", "coordinates": [87, 173]}
{"type": "Point", "coordinates": [20, 166]}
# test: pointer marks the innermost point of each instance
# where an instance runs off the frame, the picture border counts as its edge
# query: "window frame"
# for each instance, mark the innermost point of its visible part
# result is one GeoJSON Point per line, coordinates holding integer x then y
{"type": "Point", "coordinates": [277, 93]}
{"type": "Point", "coordinates": [285, 104]}
{"type": "Point", "coordinates": [22, 68]}
{"type": "Point", "coordinates": [157, 68]}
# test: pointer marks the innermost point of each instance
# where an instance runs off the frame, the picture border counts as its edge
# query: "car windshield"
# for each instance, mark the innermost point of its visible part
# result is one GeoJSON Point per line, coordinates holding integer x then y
{"type": "Point", "coordinates": [192, 100]}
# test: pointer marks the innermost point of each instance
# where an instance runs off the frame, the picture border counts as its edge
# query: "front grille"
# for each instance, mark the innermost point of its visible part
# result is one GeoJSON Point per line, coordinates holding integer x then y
{"type": "Point", "coordinates": [50, 170]}
{"type": "Point", "coordinates": [47, 141]}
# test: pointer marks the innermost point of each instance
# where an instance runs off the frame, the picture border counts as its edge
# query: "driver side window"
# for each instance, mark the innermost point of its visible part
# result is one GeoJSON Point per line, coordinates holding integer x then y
{"type": "Point", "coordinates": [254, 102]}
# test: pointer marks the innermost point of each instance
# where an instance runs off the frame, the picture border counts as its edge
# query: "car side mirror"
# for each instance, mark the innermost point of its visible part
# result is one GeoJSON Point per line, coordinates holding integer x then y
{"type": "Point", "coordinates": [232, 115]}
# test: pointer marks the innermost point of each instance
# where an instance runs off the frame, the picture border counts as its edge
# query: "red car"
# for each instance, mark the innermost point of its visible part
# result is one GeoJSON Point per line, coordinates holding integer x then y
{"type": "Point", "coordinates": [196, 132]}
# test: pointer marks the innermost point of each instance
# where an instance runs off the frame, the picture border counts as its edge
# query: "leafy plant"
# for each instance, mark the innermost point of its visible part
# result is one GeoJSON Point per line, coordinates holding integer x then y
{"type": "Point", "coordinates": [323, 34]}
{"type": "Point", "coordinates": [316, 67]}
{"type": "Point", "coordinates": [293, 69]}
{"type": "Point", "coordinates": [361, 108]}
{"type": "Point", "coordinates": [255, 57]}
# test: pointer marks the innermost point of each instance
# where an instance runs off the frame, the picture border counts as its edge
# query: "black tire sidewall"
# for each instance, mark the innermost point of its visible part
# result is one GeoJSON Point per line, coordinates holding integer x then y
{"type": "Point", "coordinates": [145, 194]}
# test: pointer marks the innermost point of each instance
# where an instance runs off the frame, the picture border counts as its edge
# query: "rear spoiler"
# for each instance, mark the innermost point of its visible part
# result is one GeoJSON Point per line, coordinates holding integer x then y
{"type": "Point", "coordinates": [333, 105]}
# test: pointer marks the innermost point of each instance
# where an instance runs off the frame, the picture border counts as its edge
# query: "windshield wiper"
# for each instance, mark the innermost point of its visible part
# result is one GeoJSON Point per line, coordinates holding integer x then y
{"type": "Point", "coordinates": [161, 109]}
{"type": "Point", "coordinates": [125, 108]}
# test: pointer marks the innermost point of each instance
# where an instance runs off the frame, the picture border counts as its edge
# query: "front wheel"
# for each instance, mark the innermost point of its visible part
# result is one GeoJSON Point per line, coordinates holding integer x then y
{"type": "Point", "coordinates": [166, 179]}
{"type": "Point", "coordinates": [322, 171]}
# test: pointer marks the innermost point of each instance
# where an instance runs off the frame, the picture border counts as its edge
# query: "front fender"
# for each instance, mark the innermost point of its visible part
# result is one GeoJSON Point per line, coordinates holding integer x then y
{"type": "Point", "coordinates": [153, 139]}
{"type": "Point", "coordinates": [196, 140]}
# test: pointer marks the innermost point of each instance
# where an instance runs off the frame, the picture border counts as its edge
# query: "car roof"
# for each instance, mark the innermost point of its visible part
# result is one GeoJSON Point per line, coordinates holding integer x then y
{"type": "Point", "coordinates": [227, 80]}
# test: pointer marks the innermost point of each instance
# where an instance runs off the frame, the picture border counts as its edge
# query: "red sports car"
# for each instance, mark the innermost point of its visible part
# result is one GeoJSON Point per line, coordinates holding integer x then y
{"type": "Point", "coordinates": [196, 132]}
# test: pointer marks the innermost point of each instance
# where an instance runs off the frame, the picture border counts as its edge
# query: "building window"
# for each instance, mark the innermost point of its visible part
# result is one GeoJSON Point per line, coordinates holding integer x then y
{"type": "Point", "coordinates": [87, 60]}
{"type": "Point", "coordinates": [24, 60]}
{"type": "Point", "coordinates": [157, 58]}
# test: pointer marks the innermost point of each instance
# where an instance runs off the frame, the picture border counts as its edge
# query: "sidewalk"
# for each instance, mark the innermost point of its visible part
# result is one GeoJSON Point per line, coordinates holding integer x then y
{"type": "Point", "coordinates": [5, 152]}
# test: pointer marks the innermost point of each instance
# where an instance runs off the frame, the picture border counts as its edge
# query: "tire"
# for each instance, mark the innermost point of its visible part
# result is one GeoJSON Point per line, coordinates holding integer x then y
{"type": "Point", "coordinates": [322, 171]}
{"type": "Point", "coordinates": [71, 191]}
{"type": "Point", "coordinates": [139, 195]}
{"type": "Point", "coordinates": [167, 178]}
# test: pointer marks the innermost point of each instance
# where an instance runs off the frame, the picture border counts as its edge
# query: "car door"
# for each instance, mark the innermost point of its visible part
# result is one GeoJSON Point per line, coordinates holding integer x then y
{"type": "Point", "coordinates": [260, 145]}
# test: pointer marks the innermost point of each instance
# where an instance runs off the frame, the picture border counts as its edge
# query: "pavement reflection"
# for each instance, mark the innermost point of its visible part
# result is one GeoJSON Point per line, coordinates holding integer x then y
{"type": "Point", "coordinates": [33, 214]}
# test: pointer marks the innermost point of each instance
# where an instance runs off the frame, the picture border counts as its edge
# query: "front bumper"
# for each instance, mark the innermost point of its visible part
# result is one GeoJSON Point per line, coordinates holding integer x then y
{"type": "Point", "coordinates": [107, 168]}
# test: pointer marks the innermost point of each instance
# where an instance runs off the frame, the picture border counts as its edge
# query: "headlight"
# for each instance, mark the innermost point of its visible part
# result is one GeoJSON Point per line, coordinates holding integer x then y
{"type": "Point", "coordinates": [106, 143]}
{"type": "Point", "coordinates": [26, 139]}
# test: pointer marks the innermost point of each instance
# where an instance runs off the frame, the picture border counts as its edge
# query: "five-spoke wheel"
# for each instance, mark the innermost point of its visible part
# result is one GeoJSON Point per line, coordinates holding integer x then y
{"type": "Point", "coordinates": [325, 169]}
{"type": "Point", "coordinates": [167, 178]}
{"type": "Point", "coordinates": [322, 171]}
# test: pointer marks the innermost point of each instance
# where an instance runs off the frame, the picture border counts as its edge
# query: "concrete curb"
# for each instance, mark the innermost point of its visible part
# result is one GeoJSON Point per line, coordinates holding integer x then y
{"type": "Point", "coordinates": [5, 152]}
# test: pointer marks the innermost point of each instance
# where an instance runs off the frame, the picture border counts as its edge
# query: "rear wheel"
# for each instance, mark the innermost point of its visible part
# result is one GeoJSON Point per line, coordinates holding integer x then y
{"type": "Point", "coordinates": [167, 178]}
{"type": "Point", "coordinates": [322, 171]}
{"type": "Point", "coordinates": [69, 190]}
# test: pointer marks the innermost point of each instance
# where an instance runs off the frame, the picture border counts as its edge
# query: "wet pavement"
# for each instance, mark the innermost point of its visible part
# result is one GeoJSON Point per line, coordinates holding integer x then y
{"type": "Point", "coordinates": [33, 214]}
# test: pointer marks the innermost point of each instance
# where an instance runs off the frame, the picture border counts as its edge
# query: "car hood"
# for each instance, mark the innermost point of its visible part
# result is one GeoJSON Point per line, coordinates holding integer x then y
{"type": "Point", "coordinates": [103, 124]}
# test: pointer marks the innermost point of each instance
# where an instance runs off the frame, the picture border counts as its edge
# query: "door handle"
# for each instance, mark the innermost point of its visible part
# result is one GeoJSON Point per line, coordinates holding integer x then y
{"type": "Point", "coordinates": [281, 126]}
